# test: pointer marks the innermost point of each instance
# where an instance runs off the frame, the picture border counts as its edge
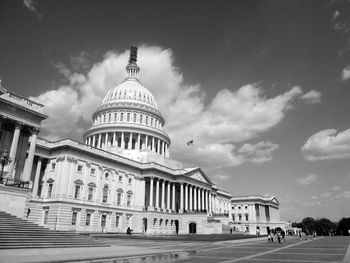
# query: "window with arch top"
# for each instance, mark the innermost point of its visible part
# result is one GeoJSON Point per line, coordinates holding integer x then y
{"type": "Point", "coordinates": [105, 194]}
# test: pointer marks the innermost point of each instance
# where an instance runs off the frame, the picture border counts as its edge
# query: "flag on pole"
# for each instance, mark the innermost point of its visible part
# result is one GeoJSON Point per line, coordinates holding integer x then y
{"type": "Point", "coordinates": [190, 143]}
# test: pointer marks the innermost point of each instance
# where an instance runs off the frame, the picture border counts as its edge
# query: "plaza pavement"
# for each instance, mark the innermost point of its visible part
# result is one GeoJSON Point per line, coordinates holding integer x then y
{"type": "Point", "coordinates": [329, 249]}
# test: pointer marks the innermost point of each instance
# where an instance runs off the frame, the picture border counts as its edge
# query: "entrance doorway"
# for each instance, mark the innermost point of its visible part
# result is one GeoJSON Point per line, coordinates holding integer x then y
{"type": "Point", "coordinates": [144, 220]}
{"type": "Point", "coordinates": [177, 226]}
{"type": "Point", "coordinates": [192, 228]}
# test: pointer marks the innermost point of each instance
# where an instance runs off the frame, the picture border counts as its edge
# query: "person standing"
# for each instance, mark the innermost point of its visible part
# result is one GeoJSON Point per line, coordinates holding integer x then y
{"type": "Point", "coordinates": [28, 212]}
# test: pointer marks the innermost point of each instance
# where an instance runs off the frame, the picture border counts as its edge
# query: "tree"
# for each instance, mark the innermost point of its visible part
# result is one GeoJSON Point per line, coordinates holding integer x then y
{"type": "Point", "coordinates": [324, 227]}
{"type": "Point", "coordinates": [344, 226]}
{"type": "Point", "coordinates": [308, 225]}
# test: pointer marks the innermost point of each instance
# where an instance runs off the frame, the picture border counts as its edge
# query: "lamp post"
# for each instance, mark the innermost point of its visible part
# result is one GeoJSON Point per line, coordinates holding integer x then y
{"type": "Point", "coordinates": [4, 160]}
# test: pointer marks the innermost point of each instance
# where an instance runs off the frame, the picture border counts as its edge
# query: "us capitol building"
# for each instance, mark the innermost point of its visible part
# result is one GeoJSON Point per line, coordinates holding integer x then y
{"type": "Point", "coordinates": [121, 176]}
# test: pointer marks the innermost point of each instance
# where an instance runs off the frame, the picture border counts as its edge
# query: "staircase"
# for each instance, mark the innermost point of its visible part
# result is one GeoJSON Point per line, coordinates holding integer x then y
{"type": "Point", "coordinates": [19, 233]}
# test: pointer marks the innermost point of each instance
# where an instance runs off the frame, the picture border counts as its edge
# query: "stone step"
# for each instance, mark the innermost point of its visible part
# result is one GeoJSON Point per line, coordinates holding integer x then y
{"type": "Point", "coordinates": [46, 245]}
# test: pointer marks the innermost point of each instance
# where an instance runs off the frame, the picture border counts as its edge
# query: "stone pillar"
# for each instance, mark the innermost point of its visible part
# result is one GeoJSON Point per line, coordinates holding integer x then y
{"type": "Point", "coordinates": [199, 200]}
{"type": "Point", "coordinates": [138, 141]}
{"type": "Point", "coordinates": [209, 203]}
{"type": "Point", "coordinates": [158, 147]}
{"type": "Point", "coordinates": [181, 197]}
{"type": "Point", "coordinates": [99, 141]}
{"type": "Point", "coordinates": [29, 162]}
{"type": "Point", "coordinates": [173, 205]}
{"type": "Point", "coordinates": [186, 197]}
{"type": "Point", "coordinates": [146, 148]}
{"type": "Point", "coordinates": [168, 197]}
{"type": "Point", "coordinates": [151, 193]}
{"type": "Point", "coordinates": [123, 142]}
{"type": "Point", "coordinates": [206, 201]}
{"type": "Point", "coordinates": [93, 140]}
{"type": "Point", "coordinates": [195, 198]}
{"type": "Point", "coordinates": [191, 199]}
{"type": "Point", "coordinates": [115, 139]}
{"type": "Point", "coordinates": [106, 139]}
{"type": "Point", "coordinates": [13, 150]}
{"type": "Point", "coordinates": [153, 144]}
{"type": "Point", "coordinates": [37, 178]}
{"type": "Point", "coordinates": [203, 207]}
{"type": "Point", "coordinates": [157, 194]}
{"type": "Point", "coordinates": [163, 196]}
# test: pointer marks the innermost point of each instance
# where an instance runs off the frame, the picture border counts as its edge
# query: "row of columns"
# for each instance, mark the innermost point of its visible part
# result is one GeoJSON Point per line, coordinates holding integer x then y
{"type": "Point", "coordinates": [192, 198]}
{"type": "Point", "coordinates": [128, 140]}
{"type": "Point", "coordinates": [25, 176]}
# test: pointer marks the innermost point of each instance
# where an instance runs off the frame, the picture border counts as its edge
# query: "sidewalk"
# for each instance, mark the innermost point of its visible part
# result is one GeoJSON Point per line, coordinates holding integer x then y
{"type": "Point", "coordinates": [81, 253]}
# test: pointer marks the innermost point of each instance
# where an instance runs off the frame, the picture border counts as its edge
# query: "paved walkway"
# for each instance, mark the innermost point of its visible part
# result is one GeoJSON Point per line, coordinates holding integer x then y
{"type": "Point", "coordinates": [330, 249]}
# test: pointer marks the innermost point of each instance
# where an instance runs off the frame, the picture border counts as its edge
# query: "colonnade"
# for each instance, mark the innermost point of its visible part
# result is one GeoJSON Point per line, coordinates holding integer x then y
{"type": "Point", "coordinates": [129, 140]}
{"type": "Point", "coordinates": [18, 129]}
{"type": "Point", "coordinates": [179, 197]}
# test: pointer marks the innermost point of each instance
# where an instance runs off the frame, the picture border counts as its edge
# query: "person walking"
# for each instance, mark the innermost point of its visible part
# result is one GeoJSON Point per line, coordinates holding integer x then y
{"type": "Point", "coordinates": [28, 212]}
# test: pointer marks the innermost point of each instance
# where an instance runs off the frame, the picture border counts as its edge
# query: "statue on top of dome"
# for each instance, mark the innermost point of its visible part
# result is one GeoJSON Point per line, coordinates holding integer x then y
{"type": "Point", "coordinates": [133, 54]}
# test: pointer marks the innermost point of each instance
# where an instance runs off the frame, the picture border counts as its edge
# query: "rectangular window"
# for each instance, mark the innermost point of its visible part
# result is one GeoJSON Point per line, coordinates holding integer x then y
{"type": "Point", "coordinates": [88, 218]}
{"type": "Point", "coordinates": [90, 193]}
{"type": "Point", "coordinates": [120, 178]}
{"type": "Point", "coordinates": [117, 219]}
{"type": "Point", "coordinates": [119, 198]}
{"type": "Point", "coordinates": [49, 191]}
{"type": "Point", "coordinates": [130, 180]}
{"type": "Point", "coordinates": [74, 218]}
{"type": "Point", "coordinates": [80, 168]}
{"type": "Point", "coordinates": [128, 200]}
{"type": "Point", "coordinates": [77, 191]}
{"type": "Point", "coordinates": [92, 171]}
{"type": "Point", "coordinates": [53, 166]}
{"type": "Point", "coordinates": [46, 216]}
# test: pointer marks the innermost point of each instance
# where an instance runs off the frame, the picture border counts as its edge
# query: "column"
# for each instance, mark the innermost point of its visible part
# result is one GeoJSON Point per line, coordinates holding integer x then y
{"type": "Point", "coordinates": [89, 140]}
{"type": "Point", "coordinates": [181, 197]}
{"type": "Point", "coordinates": [199, 200]}
{"type": "Point", "coordinates": [106, 139]}
{"type": "Point", "coordinates": [168, 197]}
{"type": "Point", "coordinates": [13, 149]}
{"type": "Point", "coordinates": [29, 162]}
{"type": "Point", "coordinates": [151, 192]}
{"type": "Point", "coordinates": [114, 139]}
{"type": "Point", "coordinates": [186, 197]}
{"type": "Point", "coordinates": [163, 148]}
{"type": "Point", "coordinates": [157, 194]}
{"type": "Point", "coordinates": [146, 142]}
{"type": "Point", "coordinates": [37, 178]}
{"type": "Point", "coordinates": [138, 142]}
{"type": "Point", "coordinates": [93, 140]}
{"type": "Point", "coordinates": [202, 191]}
{"type": "Point", "coordinates": [153, 144]}
{"type": "Point", "coordinates": [158, 147]}
{"type": "Point", "coordinates": [123, 142]}
{"type": "Point", "coordinates": [191, 199]}
{"type": "Point", "coordinates": [99, 140]}
{"type": "Point", "coordinates": [130, 142]}
{"type": "Point", "coordinates": [195, 199]}
{"type": "Point", "coordinates": [173, 205]}
{"type": "Point", "coordinates": [209, 203]}
{"type": "Point", "coordinates": [206, 201]}
{"type": "Point", "coordinates": [163, 195]}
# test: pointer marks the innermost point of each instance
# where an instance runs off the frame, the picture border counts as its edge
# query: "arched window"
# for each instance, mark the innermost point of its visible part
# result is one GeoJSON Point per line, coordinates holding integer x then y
{"type": "Point", "coordinates": [91, 187]}
{"type": "Point", "coordinates": [141, 118]}
{"type": "Point", "coordinates": [146, 120]}
{"type": "Point", "coordinates": [135, 117]}
{"type": "Point", "coordinates": [122, 116]}
{"type": "Point", "coordinates": [151, 121]}
{"type": "Point", "coordinates": [105, 194]}
{"type": "Point", "coordinates": [128, 117]}
{"type": "Point", "coordinates": [115, 117]}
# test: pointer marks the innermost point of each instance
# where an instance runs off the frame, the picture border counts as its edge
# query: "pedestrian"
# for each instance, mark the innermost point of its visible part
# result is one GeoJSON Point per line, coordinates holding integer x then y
{"type": "Point", "coordinates": [269, 238]}
{"type": "Point", "coordinates": [28, 212]}
{"type": "Point", "coordinates": [257, 232]}
{"type": "Point", "coordinates": [300, 235]}
{"type": "Point", "coordinates": [283, 234]}
{"type": "Point", "coordinates": [314, 235]}
{"type": "Point", "coordinates": [230, 230]}
{"type": "Point", "coordinates": [128, 231]}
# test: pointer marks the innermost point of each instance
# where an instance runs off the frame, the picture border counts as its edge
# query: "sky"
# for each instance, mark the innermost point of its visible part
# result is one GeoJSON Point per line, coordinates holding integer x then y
{"type": "Point", "coordinates": [260, 86]}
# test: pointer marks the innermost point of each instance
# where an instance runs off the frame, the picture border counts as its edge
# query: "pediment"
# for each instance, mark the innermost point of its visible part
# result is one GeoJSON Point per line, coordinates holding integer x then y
{"type": "Point", "coordinates": [199, 176]}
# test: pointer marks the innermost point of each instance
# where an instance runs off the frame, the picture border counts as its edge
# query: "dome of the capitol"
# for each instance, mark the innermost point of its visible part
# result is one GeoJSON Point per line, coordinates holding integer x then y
{"type": "Point", "coordinates": [130, 90]}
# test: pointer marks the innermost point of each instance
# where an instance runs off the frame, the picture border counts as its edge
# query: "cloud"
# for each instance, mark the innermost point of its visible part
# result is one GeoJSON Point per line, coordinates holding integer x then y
{"type": "Point", "coordinates": [259, 153]}
{"type": "Point", "coordinates": [327, 145]}
{"type": "Point", "coordinates": [311, 178]}
{"type": "Point", "coordinates": [335, 14]}
{"type": "Point", "coordinates": [233, 116]}
{"type": "Point", "coordinates": [32, 6]}
{"type": "Point", "coordinates": [345, 75]}
{"type": "Point", "coordinates": [312, 97]}
{"type": "Point", "coordinates": [345, 194]}
{"type": "Point", "coordinates": [336, 188]}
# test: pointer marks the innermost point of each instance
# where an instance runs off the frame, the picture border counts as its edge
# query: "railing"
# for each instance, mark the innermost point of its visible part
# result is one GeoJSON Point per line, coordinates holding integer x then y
{"type": "Point", "coordinates": [14, 183]}
{"type": "Point", "coordinates": [25, 100]}
{"type": "Point", "coordinates": [221, 215]}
